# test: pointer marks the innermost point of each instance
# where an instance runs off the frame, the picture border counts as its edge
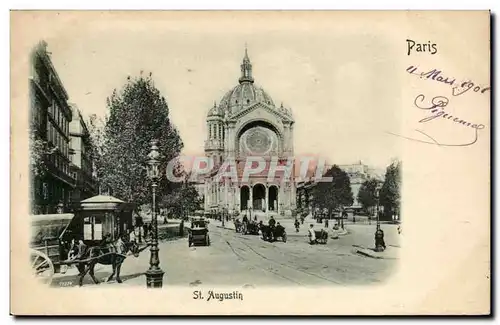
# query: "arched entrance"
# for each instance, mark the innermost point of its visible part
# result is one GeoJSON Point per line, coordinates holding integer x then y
{"type": "Point", "coordinates": [273, 198]}
{"type": "Point", "coordinates": [259, 197]}
{"type": "Point", "coordinates": [244, 197]}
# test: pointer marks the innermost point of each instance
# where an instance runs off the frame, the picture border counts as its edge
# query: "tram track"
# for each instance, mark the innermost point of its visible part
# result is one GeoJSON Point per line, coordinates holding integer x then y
{"type": "Point", "coordinates": [292, 272]}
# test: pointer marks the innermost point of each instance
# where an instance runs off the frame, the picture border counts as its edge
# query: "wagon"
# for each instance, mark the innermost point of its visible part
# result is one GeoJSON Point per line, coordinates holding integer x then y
{"type": "Point", "coordinates": [273, 233]}
{"type": "Point", "coordinates": [251, 228]}
{"type": "Point", "coordinates": [48, 246]}
{"type": "Point", "coordinates": [321, 236]}
{"type": "Point", "coordinates": [198, 233]}
{"type": "Point", "coordinates": [51, 234]}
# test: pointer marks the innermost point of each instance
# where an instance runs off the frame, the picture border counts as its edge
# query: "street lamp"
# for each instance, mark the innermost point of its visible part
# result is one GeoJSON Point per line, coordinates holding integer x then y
{"type": "Point", "coordinates": [223, 215]}
{"type": "Point", "coordinates": [379, 233]}
{"type": "Point", "coordinates": [154, 275]}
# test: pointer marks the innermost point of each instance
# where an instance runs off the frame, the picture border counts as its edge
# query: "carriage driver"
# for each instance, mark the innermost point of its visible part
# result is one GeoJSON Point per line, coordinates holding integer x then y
{"type": "Point", "coordinates": [272, 222]}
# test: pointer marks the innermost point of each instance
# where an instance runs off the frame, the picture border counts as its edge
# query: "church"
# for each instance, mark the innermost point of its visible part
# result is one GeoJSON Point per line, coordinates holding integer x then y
{"type": "Point", "coordinates": [246, 122]}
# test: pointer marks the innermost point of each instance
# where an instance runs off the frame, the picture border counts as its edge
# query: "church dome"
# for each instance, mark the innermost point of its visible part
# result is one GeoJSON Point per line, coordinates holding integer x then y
{"type": "Point", "coordinates": [244, 94]}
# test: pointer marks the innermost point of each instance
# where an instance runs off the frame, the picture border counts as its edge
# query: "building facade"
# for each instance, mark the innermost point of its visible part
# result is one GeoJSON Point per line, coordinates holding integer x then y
{"type": "Point", "coordinates": [247, 123]}
{"type": "Point", "coordinates": [50, 118]}
{"type": "Point", "coordinates": [81, 158]}
{"type": "Point", "coordinates": [358, 173]}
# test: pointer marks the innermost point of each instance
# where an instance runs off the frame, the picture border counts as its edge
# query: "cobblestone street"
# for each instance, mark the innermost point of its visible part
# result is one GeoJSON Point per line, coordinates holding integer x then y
{"type": "Point", "coordinates": [240, 260]}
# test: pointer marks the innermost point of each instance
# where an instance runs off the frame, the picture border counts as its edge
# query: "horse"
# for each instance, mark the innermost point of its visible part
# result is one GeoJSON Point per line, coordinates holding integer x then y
{"type": "Point", "coordinates": [113, 253]}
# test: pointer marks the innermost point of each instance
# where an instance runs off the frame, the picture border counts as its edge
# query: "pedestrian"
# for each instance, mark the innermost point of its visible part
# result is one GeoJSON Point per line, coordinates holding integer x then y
{"type": "Point", "coordinates": [131, 236]}
{"type": "Point", "coordinates": [272, 222]}
{"type": "Point", "coordinates": [326, 223]}
{"type": "Point", "coordinates": [353, 219]}
{"type": "Point", "coordinates": [181, 228]}
{"type": "Point", "coordinates": [312, 235]}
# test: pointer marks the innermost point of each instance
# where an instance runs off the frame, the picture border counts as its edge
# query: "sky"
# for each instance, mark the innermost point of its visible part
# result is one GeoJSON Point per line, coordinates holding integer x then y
{"type": "Point", "coordinates": [340, 83]}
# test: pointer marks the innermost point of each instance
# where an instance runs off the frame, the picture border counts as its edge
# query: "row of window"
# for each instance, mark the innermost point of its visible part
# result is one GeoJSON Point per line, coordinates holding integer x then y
{"type": "Point", "coordinates": [214, 129]}
{"type": "Point", "coordinates": [55, 192]}
{"type": "Point", "coordinates": [59, 117]}
{"type": "Point", "coordinates": [57, 139]}
{"type": "Point", "coordinates": [60, 163]}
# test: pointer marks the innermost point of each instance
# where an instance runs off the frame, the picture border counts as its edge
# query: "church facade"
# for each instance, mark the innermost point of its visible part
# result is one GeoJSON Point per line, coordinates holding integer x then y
{"type": "Point", "coordinates": [247, 124]}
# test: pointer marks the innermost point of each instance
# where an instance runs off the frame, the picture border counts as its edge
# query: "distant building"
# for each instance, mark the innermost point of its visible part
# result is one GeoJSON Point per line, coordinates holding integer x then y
{"type": "Point", "coordinates": [81, 159]}
{"type": "Point", "coordinates": [50, 118]}
{"type": "Point", "coordinates": [358, 173]}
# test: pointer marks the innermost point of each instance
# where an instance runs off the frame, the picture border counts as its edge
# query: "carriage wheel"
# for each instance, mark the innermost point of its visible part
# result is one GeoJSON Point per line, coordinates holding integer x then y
{"type": "Point", "coordinates": [42, 267]}
{"type": "Point", "coordinates": [284, 237]}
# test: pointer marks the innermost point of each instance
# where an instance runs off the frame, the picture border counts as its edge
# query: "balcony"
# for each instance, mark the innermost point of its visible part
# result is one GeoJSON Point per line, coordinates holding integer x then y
{"type": "Point", "coordinates": [214, 145]}
{"type": "Point", "coordinates": [60, 175]}
{"type": "Point", "coordinates": [42, 83]}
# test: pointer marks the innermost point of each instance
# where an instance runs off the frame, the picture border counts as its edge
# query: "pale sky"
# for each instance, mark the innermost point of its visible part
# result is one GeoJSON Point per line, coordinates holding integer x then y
{"type": "Point", "coordinates": [341, 84]}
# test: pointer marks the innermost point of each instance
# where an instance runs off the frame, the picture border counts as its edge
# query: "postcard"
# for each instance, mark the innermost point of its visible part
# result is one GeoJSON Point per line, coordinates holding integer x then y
{"type": "Point", "coordinates": [250, 163]}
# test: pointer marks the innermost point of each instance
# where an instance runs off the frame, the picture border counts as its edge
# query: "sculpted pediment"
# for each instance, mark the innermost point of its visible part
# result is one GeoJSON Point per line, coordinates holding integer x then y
{"type": "Point", "coordinates": [259, 110]}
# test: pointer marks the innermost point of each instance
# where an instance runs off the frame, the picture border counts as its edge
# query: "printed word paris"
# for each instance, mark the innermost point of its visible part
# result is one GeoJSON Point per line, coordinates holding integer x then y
{"type": "Point", "coordinates": [421, 47]}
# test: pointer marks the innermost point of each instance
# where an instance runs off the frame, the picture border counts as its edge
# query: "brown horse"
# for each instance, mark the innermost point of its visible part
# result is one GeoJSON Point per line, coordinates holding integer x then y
{"type": "Point", "coordinates": [113, 254]}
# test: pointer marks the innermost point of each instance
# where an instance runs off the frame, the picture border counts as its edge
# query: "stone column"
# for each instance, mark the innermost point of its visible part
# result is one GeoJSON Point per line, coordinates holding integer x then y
{"type": "Point", "coordinates": [238, 198]}
{"type": "Point", "coordinates": [266, 198]}
{"type": "Point", "coordinates": [226, 139]}
{"type": "Point", "coordinates": [251, 196]}
{"type": "Point", "coordinates": [285, 139]}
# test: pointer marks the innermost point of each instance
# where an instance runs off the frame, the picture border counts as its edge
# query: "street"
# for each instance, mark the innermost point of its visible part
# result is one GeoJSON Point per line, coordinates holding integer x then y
{"type": "Point", "coordinates": [248, 261]}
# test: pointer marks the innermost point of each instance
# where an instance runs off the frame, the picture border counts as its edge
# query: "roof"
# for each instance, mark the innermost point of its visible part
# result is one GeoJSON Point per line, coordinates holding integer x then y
{"type": "Point", "coordinates": [102, 199]}
{"type": "Point", "coordinates": [51, 217]}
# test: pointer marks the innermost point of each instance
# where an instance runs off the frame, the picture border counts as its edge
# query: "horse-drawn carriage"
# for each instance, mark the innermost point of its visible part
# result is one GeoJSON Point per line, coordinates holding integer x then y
{"type": "Point", "coordinates": [96, 229]}
{"type": "Point", "coordinates": [321, 236]}
{"type": "Point", "coordinates": [249, 228]}
{"type": "Point", "coordinates": [271, 234]}
{"type": "Point", "coordinates": [238, 225]}
{"type": "Point", "coordinates": [198, 232]}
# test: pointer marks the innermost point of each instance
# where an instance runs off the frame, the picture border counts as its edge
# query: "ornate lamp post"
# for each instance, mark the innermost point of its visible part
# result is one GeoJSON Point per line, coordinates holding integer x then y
{"type": "Point", "coordinates": [154, 275]}
{"type": "Point", "coordinates": [379, 233]}
{"type": "Point", "coordinates": [223, 215]}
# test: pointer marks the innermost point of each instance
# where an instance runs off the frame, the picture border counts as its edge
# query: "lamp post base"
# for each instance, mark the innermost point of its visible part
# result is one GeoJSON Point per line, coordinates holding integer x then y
{"type": "Point", "coordinates": [379, 240]}
{"type": "Point", "coordinates": [154, 278]}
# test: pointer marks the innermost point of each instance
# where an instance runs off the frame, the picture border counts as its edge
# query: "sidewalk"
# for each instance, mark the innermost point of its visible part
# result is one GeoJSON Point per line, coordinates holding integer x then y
{"type": "Point", "coordinates": [390, 252]}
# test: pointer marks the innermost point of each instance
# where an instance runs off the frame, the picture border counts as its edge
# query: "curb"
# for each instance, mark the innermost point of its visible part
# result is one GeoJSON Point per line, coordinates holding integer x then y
{"type": "Point", "coordinates": [358, 251]}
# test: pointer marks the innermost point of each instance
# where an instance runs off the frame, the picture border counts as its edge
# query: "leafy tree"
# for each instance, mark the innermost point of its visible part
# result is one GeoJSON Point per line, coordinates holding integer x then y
{"type": "Point", "coordinates": [39, 151]}
{"type": "Point", "coordinates": [390, 193]}
{"type": "Point", "coordinates": [333, 195]}
{"type": "Point", "coordinates": [367, 194]}
{"type": "Point", "coordinates": [182, 201]}
{"type": "Point", "coordinates": [137, 115]}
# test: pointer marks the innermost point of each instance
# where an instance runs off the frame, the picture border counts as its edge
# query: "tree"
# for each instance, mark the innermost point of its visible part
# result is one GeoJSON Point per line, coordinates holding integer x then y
{"type": "Point", "coordinates": [390, 193]}
{"type": "Point", "coordinates": [333, 195]}
{"type": "Point", "coordinates": [137, 115]}
{"type": "Point", "coordinates": [367, 194]}
{"type": "Point", "coordinates": [39, 150]}
{"type": "Point", "coordinates": [183, 200]}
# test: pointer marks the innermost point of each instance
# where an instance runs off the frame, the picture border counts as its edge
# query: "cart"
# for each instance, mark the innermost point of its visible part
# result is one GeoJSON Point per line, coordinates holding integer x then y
{"type": "Point", "coordinates": [198, 233]}
{"type": "Point", "coordinates": [321, 236]}
{"type": "Point", "coordinates": [52, 233]}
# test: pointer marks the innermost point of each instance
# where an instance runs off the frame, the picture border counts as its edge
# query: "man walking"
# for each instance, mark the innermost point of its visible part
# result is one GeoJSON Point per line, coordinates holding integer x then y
{"type": "Point", "coordinates": [312, 235]}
